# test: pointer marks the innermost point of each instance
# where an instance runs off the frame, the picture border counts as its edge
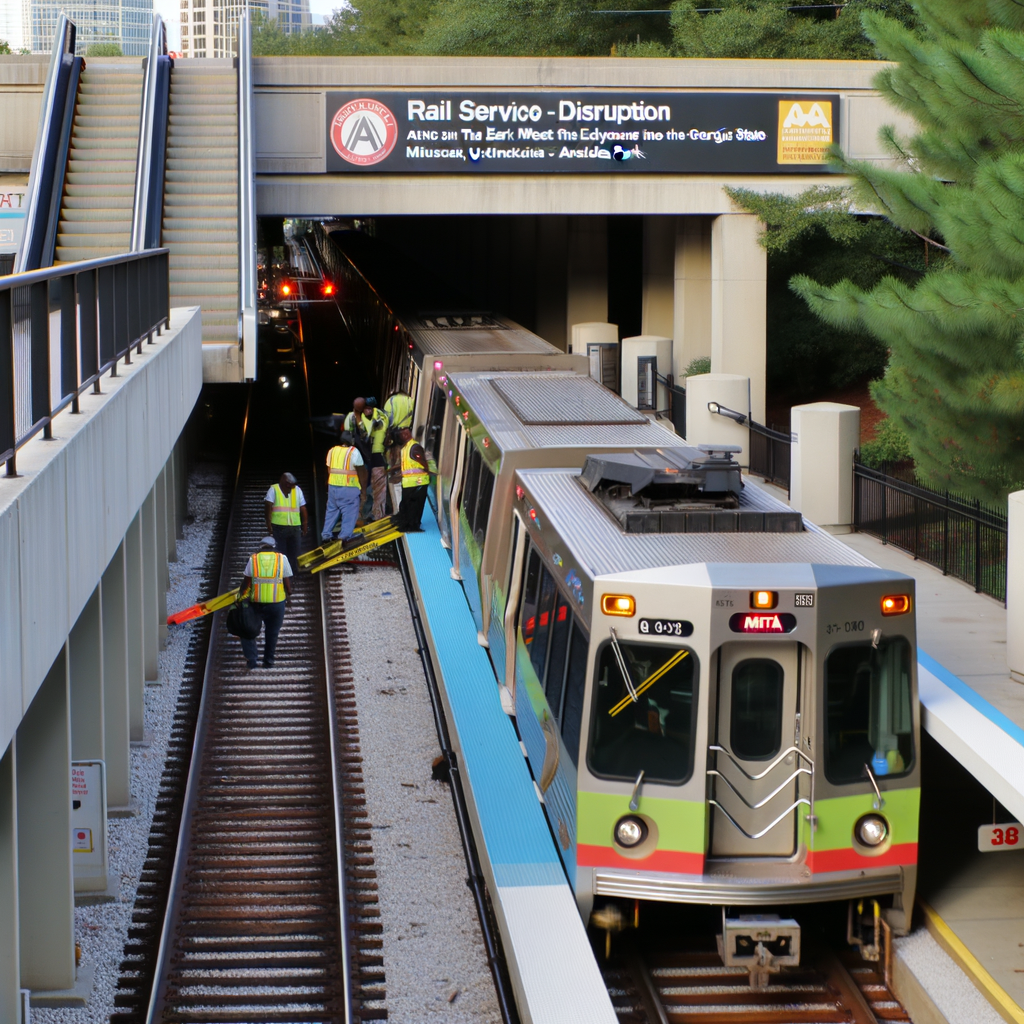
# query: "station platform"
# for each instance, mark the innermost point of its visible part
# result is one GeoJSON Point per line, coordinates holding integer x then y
{"type": "Point", "coordinates": [971, 902]}
{"type": "Point", "coordinates": [552, 967]}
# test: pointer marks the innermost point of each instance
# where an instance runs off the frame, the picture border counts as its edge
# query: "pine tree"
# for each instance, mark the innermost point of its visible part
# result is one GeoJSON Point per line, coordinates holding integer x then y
{"type": "Point", "coordinates": [955, 379]}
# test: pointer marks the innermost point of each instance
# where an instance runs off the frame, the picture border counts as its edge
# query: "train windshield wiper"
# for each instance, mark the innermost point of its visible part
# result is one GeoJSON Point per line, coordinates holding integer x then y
{"type": "Point", "coordinates": [635, 691]}
{"type": "Point", "coordinates": [623, 669]}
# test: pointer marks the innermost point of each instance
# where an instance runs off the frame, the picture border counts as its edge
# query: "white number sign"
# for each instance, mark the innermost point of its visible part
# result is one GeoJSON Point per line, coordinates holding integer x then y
{"type": "Point", "coordinates": [1009, 835]}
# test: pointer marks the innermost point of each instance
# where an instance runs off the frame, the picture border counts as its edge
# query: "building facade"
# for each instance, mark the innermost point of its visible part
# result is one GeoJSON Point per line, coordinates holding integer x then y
{"type": "Point", "coordinates": [12, 24]}
{"type": "Point", "coordinates": [209, 28]}
{"type": "Point", "coordinates": [125, 23]}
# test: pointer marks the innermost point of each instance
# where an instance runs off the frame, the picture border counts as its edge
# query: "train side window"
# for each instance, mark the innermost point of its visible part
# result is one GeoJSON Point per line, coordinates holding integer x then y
{"type": "Point", "coordinates": [575, 684]}
{"type": "Point", "coordinates": [868, 713]}
{"type": "Point", "coordinates": [528, 608]}
{"type": "Point", "coordinates": [654, 732]}
{"type": "Point", "coordinates": [435, 422]}
{"type": "Point", "coordinates": [469, 492]}
{"type": "Point", "coordinates": [545, 613]}
{"type": "Point", "coordinates": [483, 503]}
{"type": "Point", "coordinates": [755, 710]}
{"type": "Point", "coordinates": [556, 658]}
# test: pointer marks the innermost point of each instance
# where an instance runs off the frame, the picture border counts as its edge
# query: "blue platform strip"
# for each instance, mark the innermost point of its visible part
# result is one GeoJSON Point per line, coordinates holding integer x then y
{"type": "Point", "coordinates": [515, 832]}
{"type": "Point", "coordinates": [961, 689]}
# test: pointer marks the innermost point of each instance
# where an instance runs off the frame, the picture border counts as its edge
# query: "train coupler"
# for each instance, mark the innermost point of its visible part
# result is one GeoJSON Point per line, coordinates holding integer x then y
{"type": "Point", "coordinates": [762, 943]}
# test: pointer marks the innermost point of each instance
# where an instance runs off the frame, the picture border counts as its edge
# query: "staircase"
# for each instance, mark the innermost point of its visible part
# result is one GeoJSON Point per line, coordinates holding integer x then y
{"type": "Point", "coordinates": [99, 188]}
{"type": "Point", "coordinates": [200, 225]}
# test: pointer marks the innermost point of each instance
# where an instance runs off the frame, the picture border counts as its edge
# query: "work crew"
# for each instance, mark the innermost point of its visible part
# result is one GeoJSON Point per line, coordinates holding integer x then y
{"type": "Point", "coordinates": [346, 483]}
{"type": "Point", "coordinates": [415, 478]}
{"type": "Point", "coordinates": [268, 585]}
{"type": "Point", "coordinates": [287, 518]}
{"type": "Point", "coordinates": [369, 425]}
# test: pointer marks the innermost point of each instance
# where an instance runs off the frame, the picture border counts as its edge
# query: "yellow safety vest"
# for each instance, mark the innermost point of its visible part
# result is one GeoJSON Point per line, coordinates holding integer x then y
{"type": "Point", "coordinates": [399, 409]}
{"type": "Point", "coordinates": [343, 473]}
{"type": "Point", "coordinates": [286, 509]}
{"type": "Point", "coordinates": [267, 571]}
{"type": "Point", "coordinates": [375, 427]}
{"type": "Point", "coordinates": [413, 474]}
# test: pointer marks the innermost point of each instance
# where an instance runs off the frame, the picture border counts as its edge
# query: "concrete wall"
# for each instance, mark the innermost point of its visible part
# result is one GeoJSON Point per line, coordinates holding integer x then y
{"type": "Point", "coordinates": [21, 92]}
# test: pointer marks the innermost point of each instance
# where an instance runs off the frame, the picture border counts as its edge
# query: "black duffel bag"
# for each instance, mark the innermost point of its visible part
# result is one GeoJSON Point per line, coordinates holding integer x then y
{"type": "Point", "coordinates": [244, 621]}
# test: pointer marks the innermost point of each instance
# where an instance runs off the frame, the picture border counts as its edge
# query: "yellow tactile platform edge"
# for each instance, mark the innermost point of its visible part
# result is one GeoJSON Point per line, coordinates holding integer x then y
{"type": "Point", "coordinates": [983, 981]}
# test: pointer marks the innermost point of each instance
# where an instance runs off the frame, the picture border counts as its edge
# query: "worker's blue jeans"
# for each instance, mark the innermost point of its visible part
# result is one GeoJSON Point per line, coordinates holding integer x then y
{"type": "Point", "coordinates": [342, 502]}
{"type": "Point", "coordinates": [272, 615]}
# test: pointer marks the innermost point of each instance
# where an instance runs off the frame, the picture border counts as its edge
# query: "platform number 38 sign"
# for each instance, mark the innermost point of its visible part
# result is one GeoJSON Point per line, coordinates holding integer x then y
{"type": "Point", "coordinates": [1008, 835]}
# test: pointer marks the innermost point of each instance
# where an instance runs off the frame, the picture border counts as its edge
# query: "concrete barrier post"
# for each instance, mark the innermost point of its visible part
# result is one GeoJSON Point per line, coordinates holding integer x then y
{"type": "Point", "coordinates": [10, 973]}
{"type": "Point", "coordinates": [46, 901]}
{"type": "Point", "coordinates": [135, 628]}
{"type": "Point", "coordinates": [1015, 587]}
{"type": "Point", "coordinates": [705, 427]}
{"type": "Point", "coordinates": [826, 434]}
{"type": "Point", "coordinates": [151, 587]}
{"type": "Point", "coordinates": [116, 728]}
{"type": "Point", "coordinates": [85, 670]}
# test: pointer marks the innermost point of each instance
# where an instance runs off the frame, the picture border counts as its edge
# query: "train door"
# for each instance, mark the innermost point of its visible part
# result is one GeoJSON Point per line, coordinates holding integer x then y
{"type": "Point", "coordinates": [754, 772]}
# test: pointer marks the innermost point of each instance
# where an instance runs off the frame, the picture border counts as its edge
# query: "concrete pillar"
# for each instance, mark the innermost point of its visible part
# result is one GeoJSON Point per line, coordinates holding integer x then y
{"type": "Point", "coordinates": [85, 672]}
{"type": "Point", "coordinates": [135, 628]}
{"type": "Point", "coordinates": [825, 436]}
{"type": "Point", "coordinates": [586, 271]}
{"type": "Point", "coordinates": [10, 972]}
{"type": "Point", "coordinates": [692, 305]}
{"type": "Point", "coordinates": [116, 727]}
{"type": "Point", "coordinates": [181, 468]}
{"type": "Point", "coordinates": [705, 427]}
{"type": "Point", "coordinates": [658, 309]}
{"type": "Point", "coordinates": [46, 900]}
{"type": "Point", "coordinates": [162, 570]}
{"type": "Point", "coordinates": [150, 588]}
{"type": "Point", "coordinates": [171, 473]}
{"type": "Point", "coordinates": [1015, 587]}
{"type": "Point", "coordinates": [739, 289]}
{"type": "Point", "coordinates": [552, 239]}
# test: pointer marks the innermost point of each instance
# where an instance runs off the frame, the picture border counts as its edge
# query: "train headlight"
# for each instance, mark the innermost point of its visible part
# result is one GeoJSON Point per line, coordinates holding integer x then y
{"type": "Point", "coordinates": [618, 604]}
{"type": "Point", "coordinates": [630, 831]}
{"type": "Point", "coordinates": [871, 830]}
{"type": "Point", "coordinates": [896, 604]}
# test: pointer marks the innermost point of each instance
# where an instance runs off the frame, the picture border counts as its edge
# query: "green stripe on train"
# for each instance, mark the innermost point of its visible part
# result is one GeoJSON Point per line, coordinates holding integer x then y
{"type": "Point", "coordinates": [837, 816]}
{"type": "Point", "coordinates": [680, 822]}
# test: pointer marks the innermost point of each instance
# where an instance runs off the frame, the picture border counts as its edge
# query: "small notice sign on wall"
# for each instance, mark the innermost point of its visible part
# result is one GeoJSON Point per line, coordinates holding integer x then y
{"type": "Point", "coordinates": [996, 838]}
{"type": "Point", "coordinates": [89, 825]}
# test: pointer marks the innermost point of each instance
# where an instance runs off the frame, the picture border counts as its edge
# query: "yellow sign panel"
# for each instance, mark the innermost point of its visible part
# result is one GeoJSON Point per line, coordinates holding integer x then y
{"type": "Point", "coordinates": [805, 131]}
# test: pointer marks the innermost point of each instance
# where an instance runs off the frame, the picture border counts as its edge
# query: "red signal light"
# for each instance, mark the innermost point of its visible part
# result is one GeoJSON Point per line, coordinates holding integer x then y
{"type": "Point", "coordinates": [327, 288]}
{"type": "Point", "coordinates": [286, 289]}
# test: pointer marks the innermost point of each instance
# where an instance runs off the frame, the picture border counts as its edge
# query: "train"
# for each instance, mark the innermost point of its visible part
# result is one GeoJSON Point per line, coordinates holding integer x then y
{"type": "Point", "coordinates": [717, 699]}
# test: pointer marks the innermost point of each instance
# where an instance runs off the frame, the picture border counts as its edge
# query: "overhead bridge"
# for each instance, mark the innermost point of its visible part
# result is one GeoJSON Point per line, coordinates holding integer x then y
{"type": "Point", "coordinates": [131, 155]}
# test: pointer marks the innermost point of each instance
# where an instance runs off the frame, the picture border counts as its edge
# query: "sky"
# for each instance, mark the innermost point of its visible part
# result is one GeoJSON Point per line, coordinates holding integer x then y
{"type": "Point", "coordinates": [169, 9]}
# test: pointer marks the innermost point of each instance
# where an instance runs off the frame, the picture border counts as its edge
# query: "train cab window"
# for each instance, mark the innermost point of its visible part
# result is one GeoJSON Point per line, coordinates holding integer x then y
{"type": "Point", "coordinates": [528, 608]}
{"type": "Point", "coordinates": [868, 717]}
{"type": "Point", "coordinates": [755, 729]}
{"type": "Point", "coordinates": [545, 615]}
{"type": "Point", "coordinates": [648, 723]}
{"type": "Point", "coordinates": [476, 495]}
{"type": "Point", "coordinates": [559, 647]}
{"type": "Point", "coordinates": [435, 423]}
{"type": "Point", "coordinates": [472, 484]}
{"type": "Point", "coordinates": [575, 684]}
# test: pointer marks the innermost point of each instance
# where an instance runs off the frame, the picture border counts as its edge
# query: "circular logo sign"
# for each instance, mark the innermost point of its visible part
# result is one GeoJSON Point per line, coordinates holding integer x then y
{"type": "Point", "coordinates": [364, 132]}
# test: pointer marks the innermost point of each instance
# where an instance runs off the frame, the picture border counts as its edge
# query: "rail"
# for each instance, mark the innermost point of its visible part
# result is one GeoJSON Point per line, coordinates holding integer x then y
{"type": "Point", "coordinates": [247, 314]}
{"type": "Point", "coordinates": [62, 328]}
{"type": "Point", "coordinates": [954, 533]}
{"type": "Point", "coordinates": [771, 449]}
{"type": "Point", "coordinates": [152, 132]}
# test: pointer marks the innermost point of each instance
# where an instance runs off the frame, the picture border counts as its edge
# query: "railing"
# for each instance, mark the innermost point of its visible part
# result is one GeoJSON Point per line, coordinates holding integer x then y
{"type": "Point", "coordinates": [149, 164]}
{"type": "Point", "coordinates": [246, 199]}
{"type": "Point", "coordinates": [956, 534]}
{"type": "Point", "coordinates": [676, 403]}
{"type": "Point", "coordinates": [771, 449]}
{"type": "Point", "coordinates": [62, 328]}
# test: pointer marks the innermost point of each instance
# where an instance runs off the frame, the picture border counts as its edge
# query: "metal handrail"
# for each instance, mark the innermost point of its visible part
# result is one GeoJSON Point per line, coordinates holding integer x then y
{"type": "Point", "coordinates": [759, 835]}
{"type": "Point", "coordinates": [246, 200]}
{"type": "Point", "coordinates": [22, 279]}
{"type": "Point", "coordinates": [36, 202]}
{"type": "Point", "coordinates": [147, 117]}
{"type": "Point", "coordinates": [756, 778]}
{"type": "Point", "coordinates": [771, 796]}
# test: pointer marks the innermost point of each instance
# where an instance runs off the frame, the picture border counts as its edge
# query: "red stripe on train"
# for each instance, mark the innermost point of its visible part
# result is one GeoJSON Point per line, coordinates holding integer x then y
{"type": "Point", "coordinates": [671, 861]}
{"type": "Point", "coordinates": [898, 855]}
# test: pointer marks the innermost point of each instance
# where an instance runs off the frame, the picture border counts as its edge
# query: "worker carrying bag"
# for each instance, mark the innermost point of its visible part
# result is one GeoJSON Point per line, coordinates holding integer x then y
{"type": "Point", "coordinates": [243, 620]}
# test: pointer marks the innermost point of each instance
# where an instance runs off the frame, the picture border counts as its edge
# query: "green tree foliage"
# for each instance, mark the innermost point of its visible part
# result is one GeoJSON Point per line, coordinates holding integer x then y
{"type": "Point", "coordinates": [104, 50]}
{"type": "Point", "coordinates": [5, 47]}
{"type": "Point", "coordinates": [890, 445]}
{"type": "Point", "coordinates": [955, 380]}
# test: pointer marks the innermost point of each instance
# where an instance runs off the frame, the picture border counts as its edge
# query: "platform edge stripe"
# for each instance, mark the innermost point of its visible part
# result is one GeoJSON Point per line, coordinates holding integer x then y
{"type": "Point", "coordinates": [969, 963]}
{"type": "Point", "coordinates": [975, 699]}
{"type": "Point", "coordinates": [984, 749]}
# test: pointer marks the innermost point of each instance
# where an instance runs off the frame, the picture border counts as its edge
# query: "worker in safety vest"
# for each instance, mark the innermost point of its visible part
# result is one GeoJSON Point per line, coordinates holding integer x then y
{"type": "Point", "coordinates": [287, 517]}
{"type": "Point", "coordinates": [415, 478]}
{"type": "Point", "coordinates": [399, 409]}
{"type": "Point", "coordinates": [369, 425]}
{"type": "Point", "coordinates": [268, 585]}
{"type": "Point", "coordinates": [346, 483]}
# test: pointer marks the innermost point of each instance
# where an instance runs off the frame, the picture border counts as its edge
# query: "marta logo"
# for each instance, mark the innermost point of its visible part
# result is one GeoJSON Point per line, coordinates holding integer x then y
{"type": "Point", "coordinates": [363, 132]}
{"type": "Point", "coordinates": [801, 115]}
{"type": "Point", "coordinates": [805, 131]}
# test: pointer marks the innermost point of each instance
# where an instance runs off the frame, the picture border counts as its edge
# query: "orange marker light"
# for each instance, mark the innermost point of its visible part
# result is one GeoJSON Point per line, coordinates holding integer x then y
{"type": "Point", "coordinates": [328, 288]}
{"type": "Point", "coordinates": [896, 604]}
{"type": "Point", "coordinates": [286, 289]}
{"type": "Point", "coordinates": [618, 604]}
{"type": "Point", "coordinates": [763, 599]}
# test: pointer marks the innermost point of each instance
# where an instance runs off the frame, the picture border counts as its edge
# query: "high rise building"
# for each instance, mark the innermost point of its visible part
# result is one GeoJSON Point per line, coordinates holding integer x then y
{"type": "Point", "coordinates": [12, 19]}
{"type": "Point", "coordinates": [209, 27]}
{"type": "Point", "coordinates": [124, 22]}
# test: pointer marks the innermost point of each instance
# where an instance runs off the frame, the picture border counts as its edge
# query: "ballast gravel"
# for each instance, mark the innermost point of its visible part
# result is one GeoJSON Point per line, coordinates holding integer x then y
{"type": "Point", "coordinates": [435, 964]}
{"type": "Point", "coordinates": [101, 930]}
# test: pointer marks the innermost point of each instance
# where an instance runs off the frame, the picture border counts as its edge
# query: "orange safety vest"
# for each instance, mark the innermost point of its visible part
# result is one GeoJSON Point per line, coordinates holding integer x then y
{"type": "Point", "coordinates": [286, 509]}
{"type": "Point", "coordinates": [267, 571]}
{"type": "Point", "coordinates": [413, 474]}
{"type": "Point", "coordinates": [343, 473]}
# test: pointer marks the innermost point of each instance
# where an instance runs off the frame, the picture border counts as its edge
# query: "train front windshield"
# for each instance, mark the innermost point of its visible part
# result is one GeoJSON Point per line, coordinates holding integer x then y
{"type": "Point", "coordinates": [643, 715]}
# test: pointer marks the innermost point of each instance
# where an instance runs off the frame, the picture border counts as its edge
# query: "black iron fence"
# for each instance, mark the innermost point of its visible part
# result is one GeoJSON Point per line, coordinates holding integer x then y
{"type": "Point", "coordinates": [956, 534]}
{"type": "Point", "coordinates": [771, 453]}
{"type": "Point", "coordinates": [63, 327]}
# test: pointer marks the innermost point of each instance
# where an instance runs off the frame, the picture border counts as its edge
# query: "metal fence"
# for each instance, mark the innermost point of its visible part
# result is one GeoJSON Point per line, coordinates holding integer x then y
{"type": "Point", "coordinates": [956, 534]}
{"type": "Point", "coordinates": [771, 453]}
{"type": "Point", "coordinates": [63, 327]}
